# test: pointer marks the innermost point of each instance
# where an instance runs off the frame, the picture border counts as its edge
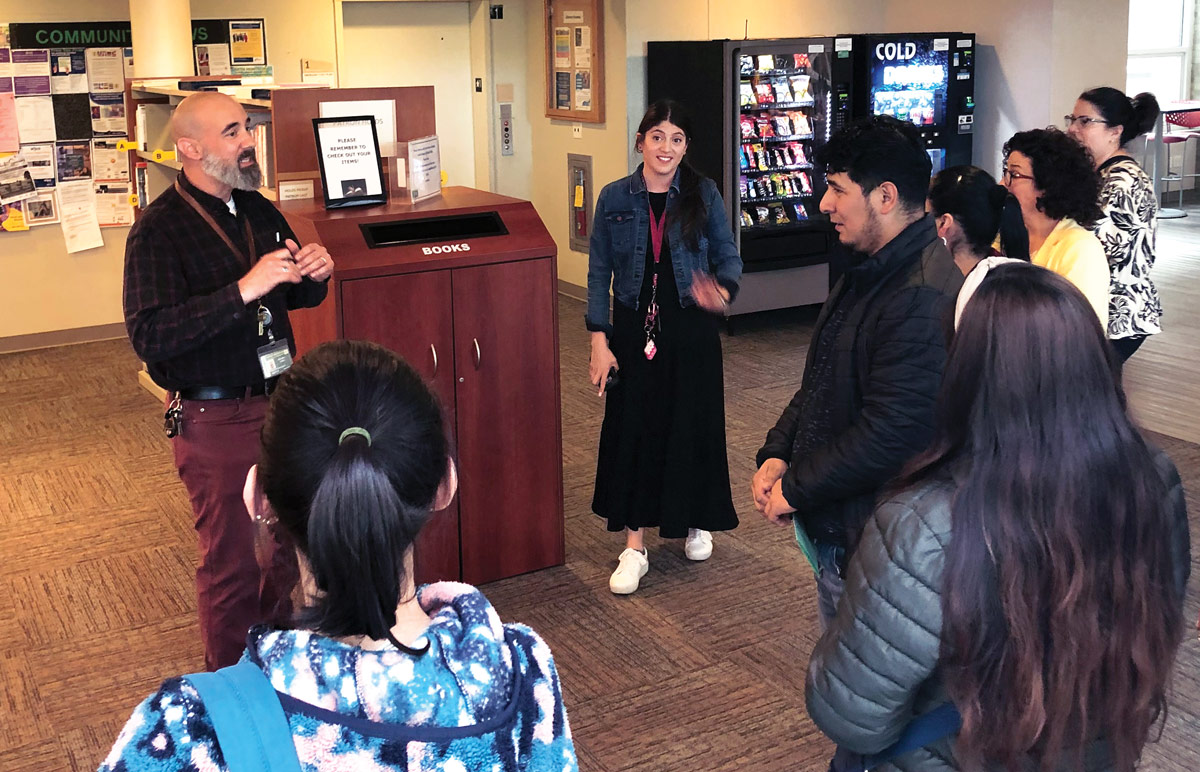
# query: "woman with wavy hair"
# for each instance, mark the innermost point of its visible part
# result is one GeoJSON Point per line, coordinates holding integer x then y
{"type": "Point", "coordinates": [1053, 179]}
{"type": "Point", "coordinates": [1028, 568]}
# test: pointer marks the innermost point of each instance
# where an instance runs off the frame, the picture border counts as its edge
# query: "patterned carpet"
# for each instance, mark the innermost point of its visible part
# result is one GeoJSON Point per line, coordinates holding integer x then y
{"type": "Point", "coordinates": [702, 669]}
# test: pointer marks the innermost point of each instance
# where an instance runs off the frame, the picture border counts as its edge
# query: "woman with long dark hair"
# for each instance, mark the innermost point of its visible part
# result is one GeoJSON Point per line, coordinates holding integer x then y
{"type": "Point", "coordinates": [661, 239]}
{"type": "Point", "coordinates": [1029, 567]}
{"type": "Point", "coordinates": [377, 673]}
{"type": "Point", "coordinates": [1053, 179]}
{"type": "Point", "coordinates": [970, 208]}
{"type": "Point", "coordinates": [1105, 121]}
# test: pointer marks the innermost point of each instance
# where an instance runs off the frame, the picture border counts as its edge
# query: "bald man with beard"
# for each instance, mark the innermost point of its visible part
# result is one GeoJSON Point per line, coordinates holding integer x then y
{"type": "Point", "coordinates": [211, 269]}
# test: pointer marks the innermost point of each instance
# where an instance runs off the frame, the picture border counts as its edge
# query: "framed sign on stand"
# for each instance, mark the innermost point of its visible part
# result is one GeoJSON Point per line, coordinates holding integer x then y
{"type": "Point", "coordinates": [575, 60]}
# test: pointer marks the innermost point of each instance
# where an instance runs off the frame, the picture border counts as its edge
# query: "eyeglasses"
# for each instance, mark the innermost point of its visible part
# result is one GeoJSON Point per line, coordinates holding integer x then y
{"type": "Point", "coordinates": [1009, 175]}
{"type": "Point", "coordinates": [1083, 120]}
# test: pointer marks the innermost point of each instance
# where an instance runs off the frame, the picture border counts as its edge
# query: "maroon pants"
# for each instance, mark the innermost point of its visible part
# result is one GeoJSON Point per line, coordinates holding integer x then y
{"type": "Point", "coordinates": [217, 445]}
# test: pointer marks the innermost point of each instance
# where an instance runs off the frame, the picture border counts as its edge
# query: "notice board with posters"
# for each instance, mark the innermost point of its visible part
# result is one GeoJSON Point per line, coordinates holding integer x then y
{"type": "Point", "coordinates": [575, 60]}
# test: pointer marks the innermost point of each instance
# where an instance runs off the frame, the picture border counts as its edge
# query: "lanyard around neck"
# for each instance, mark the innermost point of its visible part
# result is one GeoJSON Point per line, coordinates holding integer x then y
{"type": "Point", "coordinates": [220, 231]}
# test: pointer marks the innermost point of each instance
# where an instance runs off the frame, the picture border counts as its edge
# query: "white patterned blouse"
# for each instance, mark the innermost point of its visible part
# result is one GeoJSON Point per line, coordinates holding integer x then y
{"type": "Point", "coordinates": [1128, 231]}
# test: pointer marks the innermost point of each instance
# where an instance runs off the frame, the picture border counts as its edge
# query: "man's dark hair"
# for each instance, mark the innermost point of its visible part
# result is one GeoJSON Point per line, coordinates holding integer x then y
{"type": "Point", "coordinates": [881, 149]}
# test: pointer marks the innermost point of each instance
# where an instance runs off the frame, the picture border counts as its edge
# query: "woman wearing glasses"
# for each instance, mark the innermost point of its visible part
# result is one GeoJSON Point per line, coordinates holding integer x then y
{"type": "Point", "coordinates": [1105, 121]}
{"type": "Point", "coordinates": [1053, 180]}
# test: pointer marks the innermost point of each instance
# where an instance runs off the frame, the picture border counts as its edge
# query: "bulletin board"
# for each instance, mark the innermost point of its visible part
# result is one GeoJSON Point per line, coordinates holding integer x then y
{"type": "Point", "coordinates": [575, 60]}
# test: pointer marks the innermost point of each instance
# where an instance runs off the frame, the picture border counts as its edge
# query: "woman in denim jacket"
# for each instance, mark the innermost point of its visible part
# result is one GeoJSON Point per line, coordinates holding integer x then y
{"type": "Point", "coordinates": [661, 238]}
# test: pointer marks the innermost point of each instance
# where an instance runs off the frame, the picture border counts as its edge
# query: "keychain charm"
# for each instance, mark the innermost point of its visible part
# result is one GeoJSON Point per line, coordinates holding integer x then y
{"type": "Point", "coordinates": [650, 349]}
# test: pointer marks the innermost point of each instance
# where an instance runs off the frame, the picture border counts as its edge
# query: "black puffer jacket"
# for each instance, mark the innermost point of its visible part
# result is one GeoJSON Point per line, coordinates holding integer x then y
{"type": "Point", "coordinates": [886, 371]}
{"type": "Point", "coordinates": [876, 667]}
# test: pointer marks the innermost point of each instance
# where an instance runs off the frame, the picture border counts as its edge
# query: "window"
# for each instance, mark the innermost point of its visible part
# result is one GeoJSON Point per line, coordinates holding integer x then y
{"type": "Point", "coordinates": [1160, 48]}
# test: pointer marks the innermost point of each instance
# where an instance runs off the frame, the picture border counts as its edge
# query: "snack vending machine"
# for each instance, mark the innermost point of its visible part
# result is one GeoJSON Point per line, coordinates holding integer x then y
{"type": "Point", "coordinates": [927, 79]}
{"type": "Point", "coordinates": [760, 110]}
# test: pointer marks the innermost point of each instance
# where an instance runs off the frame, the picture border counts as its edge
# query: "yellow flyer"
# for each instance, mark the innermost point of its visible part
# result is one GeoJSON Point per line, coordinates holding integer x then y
{"type": "Point", "coordinates": [13, 217]}
{"type": "Point", "coordinates": [247, 43]}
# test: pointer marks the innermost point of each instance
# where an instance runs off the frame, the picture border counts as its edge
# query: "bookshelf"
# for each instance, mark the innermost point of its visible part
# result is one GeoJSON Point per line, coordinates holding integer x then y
{"type": "Point", "coordinates": [282, 123]}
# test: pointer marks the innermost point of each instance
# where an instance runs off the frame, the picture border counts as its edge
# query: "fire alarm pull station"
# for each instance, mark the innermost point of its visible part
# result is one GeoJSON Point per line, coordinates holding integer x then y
{"type": "Point", "coordinates": [579, 189]}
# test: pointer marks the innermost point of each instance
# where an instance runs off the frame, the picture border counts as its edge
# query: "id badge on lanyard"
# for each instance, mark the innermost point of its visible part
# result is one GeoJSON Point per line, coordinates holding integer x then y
{"type": "Point", "coordinates": [275, 357]}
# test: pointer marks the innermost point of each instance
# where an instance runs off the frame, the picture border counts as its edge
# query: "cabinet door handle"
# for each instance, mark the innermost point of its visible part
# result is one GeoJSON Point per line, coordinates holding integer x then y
{"type": "Point", "coordinates": [433, 350]}
{"type": "Point", "coordinates": [478, 356]}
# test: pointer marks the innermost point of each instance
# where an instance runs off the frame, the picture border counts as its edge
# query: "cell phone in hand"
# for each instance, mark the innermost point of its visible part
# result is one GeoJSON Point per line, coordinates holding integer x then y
{"type": "Point", "coordinates": [612, 379]}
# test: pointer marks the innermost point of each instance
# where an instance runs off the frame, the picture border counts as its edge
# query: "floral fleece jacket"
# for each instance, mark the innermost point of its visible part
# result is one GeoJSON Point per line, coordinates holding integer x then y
{"type": "Point", "coordinates": [485, 696]}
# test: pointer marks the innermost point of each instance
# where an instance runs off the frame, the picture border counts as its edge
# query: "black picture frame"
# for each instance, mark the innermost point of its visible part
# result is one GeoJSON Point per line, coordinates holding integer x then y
{"type": "Point", "coordinates": [362, 186]}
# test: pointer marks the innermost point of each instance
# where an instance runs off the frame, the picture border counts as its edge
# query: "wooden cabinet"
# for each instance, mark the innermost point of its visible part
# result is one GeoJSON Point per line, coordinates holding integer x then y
{"type": "Point", "coordinates": [480, 324]}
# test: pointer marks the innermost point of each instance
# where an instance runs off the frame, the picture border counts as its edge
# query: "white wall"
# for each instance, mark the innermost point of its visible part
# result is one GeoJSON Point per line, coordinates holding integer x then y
{"type": "Point", "coordinates": [418, 44]}
{"type": "Point", "coordinates": [1035, 57]}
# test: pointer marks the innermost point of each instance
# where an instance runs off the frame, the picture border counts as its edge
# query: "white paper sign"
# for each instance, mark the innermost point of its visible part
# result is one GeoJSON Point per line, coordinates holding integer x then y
{"type": "Point", "coordinates": [108, 163]}
{"type": "Point", "coordinates": [296, 190]}
{"type": "Point", "coordinates": [384, 111]}
{"type": "Point", "coordinates": [424, 168]}
{"type": "Point", "coordinates": [35, 119]}
{"type": "Point", "coordinates": [77, 211]}
{"type": "Point", "coordinates": [105, 71]}
{"type": "Point", "coordinates": [113, 208]}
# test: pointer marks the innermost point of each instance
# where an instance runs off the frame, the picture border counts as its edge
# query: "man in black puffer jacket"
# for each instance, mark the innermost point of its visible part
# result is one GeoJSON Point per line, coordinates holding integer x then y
{"type": "Point", "coordinates": [865, 405]}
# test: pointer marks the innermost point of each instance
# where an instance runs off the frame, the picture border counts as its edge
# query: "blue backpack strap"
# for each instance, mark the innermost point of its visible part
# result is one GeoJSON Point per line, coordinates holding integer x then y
{"type": "Point", "coordinates": [938, 723]}
{"type": "Point", "coordinates": [251, 727]}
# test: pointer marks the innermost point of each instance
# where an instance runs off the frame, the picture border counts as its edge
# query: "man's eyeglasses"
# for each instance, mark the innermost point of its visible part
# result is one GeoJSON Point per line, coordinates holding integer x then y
{"type": "Point", "coordinates": [1009, 175]}
{"type": "Point", "coordinates": [1083, 120]}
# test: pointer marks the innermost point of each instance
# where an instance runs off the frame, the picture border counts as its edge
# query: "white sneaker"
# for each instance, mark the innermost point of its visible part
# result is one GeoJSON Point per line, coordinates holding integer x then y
{"type": "Point", "coordinates": [698, 545]}
{"type": "Point", "coordinates": [631, 567]}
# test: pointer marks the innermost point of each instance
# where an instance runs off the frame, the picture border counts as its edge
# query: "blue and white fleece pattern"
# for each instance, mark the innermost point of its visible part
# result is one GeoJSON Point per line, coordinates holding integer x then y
{"type": "Point", "coordinates": [452, 708]}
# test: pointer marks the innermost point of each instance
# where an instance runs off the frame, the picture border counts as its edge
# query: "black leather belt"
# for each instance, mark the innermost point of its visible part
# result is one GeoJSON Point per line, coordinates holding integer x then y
{"type": "Point", "coordinates": [204, 393]}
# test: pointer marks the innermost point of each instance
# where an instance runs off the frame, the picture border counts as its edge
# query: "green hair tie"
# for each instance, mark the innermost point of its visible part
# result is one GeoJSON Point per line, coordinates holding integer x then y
{"type": "Point", "coordinates": [361, 432]}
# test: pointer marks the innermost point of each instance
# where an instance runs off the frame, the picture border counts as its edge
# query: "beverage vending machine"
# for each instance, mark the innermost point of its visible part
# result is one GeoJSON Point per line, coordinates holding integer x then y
{"type": "Point", "coordinates": [760, 111]}
{"type": "Point", "coordinates": [927, 79]}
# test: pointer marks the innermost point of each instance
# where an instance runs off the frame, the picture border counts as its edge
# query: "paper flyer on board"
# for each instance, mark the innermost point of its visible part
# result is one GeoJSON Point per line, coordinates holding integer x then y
{"type": "Point", "coordinates": [108, 163]}
{"type": "Point", "coordinates": [213, 60]}
{"type": "Point", "coordinates": [12, 217]}
{"type": "Point", "coordinates": [5, 68]}
{"type": "Point", "coordinates": [105, 71]}
{"type": "Point", "coordinates": [16, 183]}
{"type": "Point", "coordinates": [77, 211]}
{"type": "Point", "coordinates": [35, 119]}
{"type": "Point", "coordinates": [583, 90]}
{"type": "Point", "coordinates": [247, 44]}
{"type": "Point", "coordinates": [31, 71]}
{"type": "Point", "coordinates": [41, 164]}
{"type": "Point", "coordinates": [562, 48]}
{"type": "Point", "coordinates": [42, 209]}
{"type": "Point", "coordinates": [108, 113]}
{"type": "Point", "coordinates": [73, 160]}
{"type": "Point", "coordinates": [9, 138]}
{"type": "Point", "coordinates": [112, 204]}
{"type": "Point", "coordinates": [68, 71]}
{"type": "Point", "coordinates": [583, 47]}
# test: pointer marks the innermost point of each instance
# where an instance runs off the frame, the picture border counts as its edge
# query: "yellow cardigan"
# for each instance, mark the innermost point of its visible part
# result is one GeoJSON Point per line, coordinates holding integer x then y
{"type": "Point", "coordinates": [1075, 253]}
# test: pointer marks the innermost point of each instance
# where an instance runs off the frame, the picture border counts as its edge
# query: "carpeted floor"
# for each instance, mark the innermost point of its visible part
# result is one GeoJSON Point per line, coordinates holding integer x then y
{"type": "Point", "coordinates": [702, 669]}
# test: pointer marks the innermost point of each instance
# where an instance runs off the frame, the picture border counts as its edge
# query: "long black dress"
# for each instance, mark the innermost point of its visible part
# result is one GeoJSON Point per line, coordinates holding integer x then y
{"type": "Point", "coordinates": [662, 459]}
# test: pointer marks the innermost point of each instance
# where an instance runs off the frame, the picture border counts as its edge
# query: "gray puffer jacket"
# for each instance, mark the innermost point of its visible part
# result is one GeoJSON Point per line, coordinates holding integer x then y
{"type": "Point", "coordinates": [877, 666]}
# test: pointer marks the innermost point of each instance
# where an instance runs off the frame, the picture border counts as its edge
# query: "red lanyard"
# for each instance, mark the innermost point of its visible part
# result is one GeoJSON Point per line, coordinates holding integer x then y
{"type": "Point", "coordinates": [656, 232]}
{"type": "Point", "coordinates": [657, 226]}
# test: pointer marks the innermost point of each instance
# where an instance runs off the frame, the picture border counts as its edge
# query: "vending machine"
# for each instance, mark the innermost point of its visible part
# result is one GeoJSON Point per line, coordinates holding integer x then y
{"type": "Point", "coordinates": [761, 109]}
{"type": "Point", "coordinates": [927, 79]}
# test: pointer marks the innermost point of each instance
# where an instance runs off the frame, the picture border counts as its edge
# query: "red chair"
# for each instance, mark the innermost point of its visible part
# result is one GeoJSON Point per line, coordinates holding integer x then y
{"type": "Point", "coordinates": [1186, 120]}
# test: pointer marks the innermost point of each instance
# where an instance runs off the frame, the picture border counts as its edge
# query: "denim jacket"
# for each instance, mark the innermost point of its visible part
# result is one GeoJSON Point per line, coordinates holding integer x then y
{"type": "Point", "coordinates": [617, 252]}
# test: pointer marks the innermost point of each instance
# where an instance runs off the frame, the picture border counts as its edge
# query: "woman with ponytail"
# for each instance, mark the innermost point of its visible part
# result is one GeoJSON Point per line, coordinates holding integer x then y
{"type": "Point", "coordinates": [377, 673]}
{"type": "Point", "coordinates": [1105, 121]}
{"type": "Point", "coordinates": [1026, 573]}
{"type": "Point", "coordinates": [661, 239]}
{"type": "Point", "coordinates": [970, 208]}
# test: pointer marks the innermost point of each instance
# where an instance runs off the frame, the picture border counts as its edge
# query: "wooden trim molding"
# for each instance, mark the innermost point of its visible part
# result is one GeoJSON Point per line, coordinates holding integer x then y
{"type": "Point", "coordinates": [36, 340]}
